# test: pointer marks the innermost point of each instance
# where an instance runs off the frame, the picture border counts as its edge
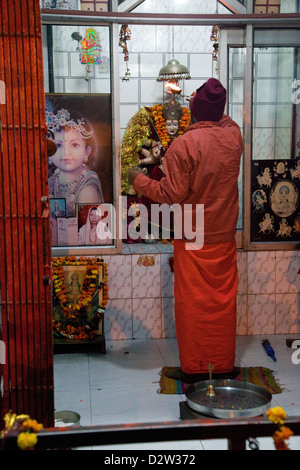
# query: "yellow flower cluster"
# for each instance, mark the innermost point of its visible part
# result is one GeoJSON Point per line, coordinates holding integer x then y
{"type": "Point", "coordinates": [25, 427]}
{"type": "Point", "coordinates": [278, 416]}
{"type": "Point", "coordinates": [26, 440]}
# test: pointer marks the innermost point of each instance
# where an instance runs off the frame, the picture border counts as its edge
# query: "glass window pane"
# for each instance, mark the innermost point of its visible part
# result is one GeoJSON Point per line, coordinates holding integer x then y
{"type": "Point", "coordinates": [236, 105]}
{"type": "Point", "coordinates": [274, 73]}
{"type": "Point", "coordinates": [275, 188]}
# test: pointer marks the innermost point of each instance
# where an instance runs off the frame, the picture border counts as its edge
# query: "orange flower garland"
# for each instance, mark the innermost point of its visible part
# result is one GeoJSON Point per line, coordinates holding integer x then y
{"type": "Point", "coordinates": [75, 314]}
{"type": "Point", "coordinates": [278, 416]}
{"type": "Point", "coordinates": [160, 123]}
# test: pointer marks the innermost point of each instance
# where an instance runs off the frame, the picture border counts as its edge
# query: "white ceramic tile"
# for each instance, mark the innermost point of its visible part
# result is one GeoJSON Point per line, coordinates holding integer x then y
{"type": "Point", "coordinates": [129, 91]}
{"type": "Point", "coordinates": [118, 319]}
{"type": "Point", "coordinates": [167, 277]}
{"type": "Point", "coordinates": [261, 272]}
{"type": "Point", "coordinates": [242, 271]}
{"type": "Point", "coordinates": [147, 322]}
{"type": "Point", "coordinates": [100, 85]}
{"type": "Point", "coordinates": [263, 144]}
{"type": "Point", "coordinates": [133, 65]}
{"type": "Point", "coordinates": [143, 38]}
{"type": "Point", "coordinates": [265, 115]}
{"type": "Point", "coordinates": [140, 405]}
{"type": "Point", "coordinates": [287, 313]}
{"type": "Point", "coordinates": [61, 64]}
{"type": "Point", "coordinates": [200, 65]}
{"type": "Point", "coordinates": [126, 113]}
{"type": "Point", "coordinates": [265, 63]}
{"type": "Point", "coordinates": [168, 318]}
{"type": "Point", "coordinates": [284, 115]}
{"type": "Point", "coordinates": [150, 65]}
{"type": "Point", "coordinates": [238, 59]}
{"type": "Point", "coordinates": [261, 314]}
{"type": "Point", "coordinates": [76, 85]}
{"type": "Point", "coordinates": [151, 91]}
{"type": "Point", "coordinates": [119, 276]}
{"type": "Point", "coordinates": [242, 321]}
{"type": "Point", "coordinates": [146, 279]}
{"type": "Point", "coordinates": [266, 90]}
{"type": "Point", "coordinates": [76, 379]}
{"type": "Point", "coordinates": [77, 68]}
{"type": "Point", "coordinates": [127, 374]}
{"type": "Point", "coordinates": [282, 143]}
{"type": "Point", "coordinates": [287, 267]}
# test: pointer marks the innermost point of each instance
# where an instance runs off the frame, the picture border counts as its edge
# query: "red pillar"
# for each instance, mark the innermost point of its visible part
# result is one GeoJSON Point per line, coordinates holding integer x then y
{"type": "Point", "coordinates": [25, 246]}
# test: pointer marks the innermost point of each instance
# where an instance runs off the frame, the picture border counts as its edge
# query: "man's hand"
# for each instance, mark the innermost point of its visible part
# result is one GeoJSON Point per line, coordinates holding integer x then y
{"type": "Point", "coordinates": [133, 172]}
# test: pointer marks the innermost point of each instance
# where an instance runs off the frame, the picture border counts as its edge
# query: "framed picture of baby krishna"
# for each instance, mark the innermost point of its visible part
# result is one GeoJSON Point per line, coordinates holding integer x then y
{"type": "Point", "coordinates": [81, 170]}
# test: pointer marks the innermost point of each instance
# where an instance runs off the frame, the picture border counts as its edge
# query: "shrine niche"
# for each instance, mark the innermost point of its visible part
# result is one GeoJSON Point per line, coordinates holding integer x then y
{"type": "Point", "coordinates": [80, 294]}
{"type": "Point", "coordinates": [275, 201]}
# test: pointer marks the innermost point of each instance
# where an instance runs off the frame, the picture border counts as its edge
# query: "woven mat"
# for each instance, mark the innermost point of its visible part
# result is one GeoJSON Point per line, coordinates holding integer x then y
{"type": "Point", "coordinates": [256, 375]}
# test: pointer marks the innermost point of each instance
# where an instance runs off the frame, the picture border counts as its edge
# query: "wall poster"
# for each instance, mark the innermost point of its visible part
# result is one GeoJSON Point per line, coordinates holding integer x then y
{"type": "Point", "coordinates": [81, 171]}
{"type": "Point", "coordinates": [275, 201]}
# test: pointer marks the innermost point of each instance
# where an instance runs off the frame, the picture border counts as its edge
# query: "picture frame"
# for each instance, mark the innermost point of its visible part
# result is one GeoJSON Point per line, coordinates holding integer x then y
{"type": "Point", "coordinates": [95, 224]}
{"type": "Point", "coordinates": [92, 112]}
{"type": "Point", "coordinates": [74, 278]}
{"type": "Point", "coordinates": [275, 201]}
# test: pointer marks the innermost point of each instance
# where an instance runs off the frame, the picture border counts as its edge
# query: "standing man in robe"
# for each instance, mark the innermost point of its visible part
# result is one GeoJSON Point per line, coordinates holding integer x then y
{"type": "Point", "coordinates": [202, 167]}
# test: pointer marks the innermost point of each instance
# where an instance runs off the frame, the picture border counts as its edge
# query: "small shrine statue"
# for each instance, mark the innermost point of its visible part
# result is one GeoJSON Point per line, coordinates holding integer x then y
{"type": "Point", "coordinates": [148, 135]}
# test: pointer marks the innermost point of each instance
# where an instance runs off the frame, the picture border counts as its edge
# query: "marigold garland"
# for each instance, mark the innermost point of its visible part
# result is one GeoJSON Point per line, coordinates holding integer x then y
{"type": "Point", "coordinates": [160, 123]}
{"type": "Point", "coordinates": [74, 324]}
{"type": "Point", "coordinates": [278, 416]}
{"type": "Point", "coordinates": [24, 428]}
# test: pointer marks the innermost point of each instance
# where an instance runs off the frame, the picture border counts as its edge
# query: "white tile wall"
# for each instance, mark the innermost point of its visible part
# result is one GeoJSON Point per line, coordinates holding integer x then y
{"type": "Point", "coordinates": [141, 301]}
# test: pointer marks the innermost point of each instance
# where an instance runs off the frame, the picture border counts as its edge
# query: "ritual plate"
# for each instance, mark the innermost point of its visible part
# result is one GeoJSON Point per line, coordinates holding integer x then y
{"type": "Point", "coordinates": [233, 399]}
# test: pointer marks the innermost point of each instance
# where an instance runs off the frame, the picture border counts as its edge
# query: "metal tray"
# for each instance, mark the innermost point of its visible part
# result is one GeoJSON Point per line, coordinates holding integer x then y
{"type": "Point", "coordinates": [233, 399]}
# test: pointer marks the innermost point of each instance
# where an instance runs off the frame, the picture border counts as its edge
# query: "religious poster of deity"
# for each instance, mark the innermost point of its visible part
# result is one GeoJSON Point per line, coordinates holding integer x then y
{"type": "Point", "coordinates": [275, 204]}
{"type": "Point", "coordinates": [81, 170]}
{"type": "Point", "coordinates": [76, 284]}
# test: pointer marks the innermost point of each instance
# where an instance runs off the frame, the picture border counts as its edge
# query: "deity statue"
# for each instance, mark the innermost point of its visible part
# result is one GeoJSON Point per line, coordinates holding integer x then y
{"type": "Point", "coordinates": [147, 137]}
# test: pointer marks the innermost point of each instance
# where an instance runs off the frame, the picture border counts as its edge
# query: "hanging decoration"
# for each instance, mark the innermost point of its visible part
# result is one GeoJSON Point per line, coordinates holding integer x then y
{"type": "Point", "coordinates": [125, 35]}
{"type": "Point", "coordinates": [214, 37]}
{"type": "Point", "coordinates": [172, 73]}
{"type": "Point", "coordinates": [89, 49]}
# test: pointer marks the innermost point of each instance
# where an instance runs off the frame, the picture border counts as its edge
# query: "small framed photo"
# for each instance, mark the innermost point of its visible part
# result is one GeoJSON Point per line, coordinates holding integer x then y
{"type": "Point", "coordinates": [57, 207]}
{"type": "Point", "coordinates": [95, 224]}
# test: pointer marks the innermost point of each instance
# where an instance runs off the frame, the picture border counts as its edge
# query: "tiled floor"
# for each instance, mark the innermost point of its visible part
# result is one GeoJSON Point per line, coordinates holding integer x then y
{"type": "Point", "coordinates": [121, 386]}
